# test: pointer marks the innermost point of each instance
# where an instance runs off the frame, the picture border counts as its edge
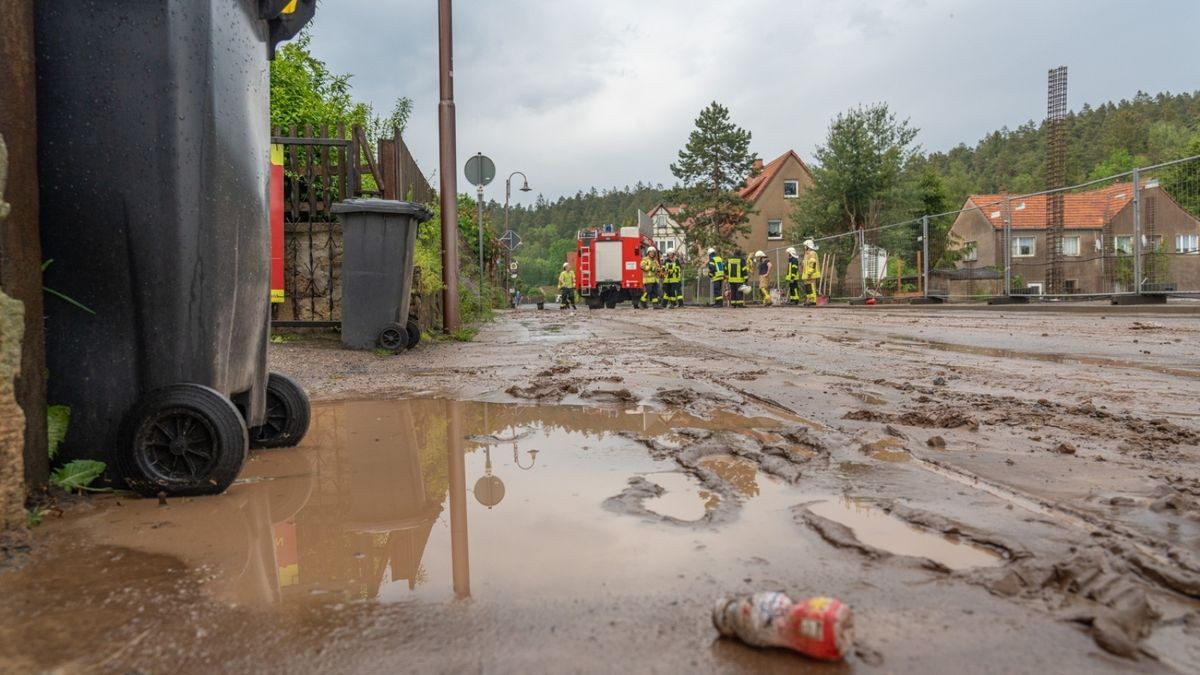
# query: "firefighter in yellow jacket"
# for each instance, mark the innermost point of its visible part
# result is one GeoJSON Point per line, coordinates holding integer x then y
{"type": "Point", "coordinates": [810, 272]}
{"type": "Point", "coordinates": [651, 279]}
{"type": "Point", "coordinates": [672, 281]}
{"type": "Point", "coordinates": [736, 273]}
{"type": "Point", "coordinates": [566, 287]}
{"type": "Point", "coordinates": [793, 276]}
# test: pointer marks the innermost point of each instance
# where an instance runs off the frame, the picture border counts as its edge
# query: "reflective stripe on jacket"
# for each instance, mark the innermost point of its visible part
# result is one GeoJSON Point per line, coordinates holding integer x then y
{"type": "Point", "coordinates": [566, 279]}
{"type": "Point", "coordinates": [672, 272]}
{"type": "Point", "coordinates": [737, 271]}
{"type": "Point", "coordinates": [650, 270]}
{"type": "Point", "coordinates": [716, 268]}
{"type": "Point", "coordinates": [811, 265]}
{"type": "Point", "coordinates": [793, 270]}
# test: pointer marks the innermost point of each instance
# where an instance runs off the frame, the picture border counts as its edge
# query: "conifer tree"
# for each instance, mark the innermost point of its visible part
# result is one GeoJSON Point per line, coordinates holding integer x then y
{"type": "Point", "coordinates": [714, 164]}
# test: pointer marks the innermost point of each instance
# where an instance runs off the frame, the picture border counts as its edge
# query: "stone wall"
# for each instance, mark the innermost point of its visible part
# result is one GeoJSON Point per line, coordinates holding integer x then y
{"type": "Point", "coordinates": [14, 536]}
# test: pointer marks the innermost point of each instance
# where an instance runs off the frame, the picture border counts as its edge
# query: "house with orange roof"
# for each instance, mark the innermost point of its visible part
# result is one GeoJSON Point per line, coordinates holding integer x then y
{"type": "Point", "coordinates": [1097, 245]}
{"type": "Point", "coordinates": [773, 193]}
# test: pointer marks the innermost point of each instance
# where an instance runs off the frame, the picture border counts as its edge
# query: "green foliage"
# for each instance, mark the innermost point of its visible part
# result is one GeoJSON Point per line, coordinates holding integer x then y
{"type": "Point", "coordinates": [1150, 129]}
{"type": "Point", "coordinates": [712, 167]}
{"type": "Point", "coordinates": [465, 334]}
{"type": "Point", "coordinates": [1182, 181]}
{"type": "Point", "coordinates": [58, 418]}
{"type": "Point", "coordinates": [284, 338]}
{"type": "Point", "coordinates": [305, 91]}
{"type": "Point", "coordinates": [34, 516]}
{"type": "Point", "coordinates": [77, 474]}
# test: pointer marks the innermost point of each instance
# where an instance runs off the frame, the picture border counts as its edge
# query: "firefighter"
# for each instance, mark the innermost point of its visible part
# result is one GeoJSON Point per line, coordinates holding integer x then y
{"type": "Point", "coordinates": [716, 272]}
{"type": "Point", "coordinates": [651, 279]}
{"type": "Point", "coordinates": [810, 272]}
{"type": "Point", "coordinates": [762, 265]}
{"type": "Point", "coordinates": [793, 276]}
{"type": "Point", "coordinates": [737, 274]}
{"type": "Point", "coordinates": [672, 282]}
{"type": "Point", "coordinates": [566, 287]}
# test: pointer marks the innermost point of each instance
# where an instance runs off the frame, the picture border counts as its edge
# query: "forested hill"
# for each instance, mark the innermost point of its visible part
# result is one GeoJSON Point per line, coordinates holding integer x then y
{"type": "Point", "coordinates": [1102, 141]}
{"type": "Point", "coordinates": [1105, 140]}
{"type": "Point", "coordinates": [548, 228]}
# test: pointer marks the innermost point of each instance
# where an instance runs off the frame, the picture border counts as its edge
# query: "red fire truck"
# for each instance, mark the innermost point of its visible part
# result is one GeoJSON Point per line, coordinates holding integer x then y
{"type": "Point", "coordinates": [608, 265]}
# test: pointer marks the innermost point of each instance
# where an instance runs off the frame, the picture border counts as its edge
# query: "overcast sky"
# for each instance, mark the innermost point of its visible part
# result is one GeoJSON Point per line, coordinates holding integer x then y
{"type": "Point", "coordinates": [583, 93]}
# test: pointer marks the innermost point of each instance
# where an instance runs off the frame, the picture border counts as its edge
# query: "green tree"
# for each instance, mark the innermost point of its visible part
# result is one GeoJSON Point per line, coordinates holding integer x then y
{"type": "Point", "coordinates": [1182, 181]}
{"type": "Point", "coordinates": [714, 164]}
{"type": "Point", "coordinates": [305, 91]}
{"type": "Point", "coordinates": [859, 174]}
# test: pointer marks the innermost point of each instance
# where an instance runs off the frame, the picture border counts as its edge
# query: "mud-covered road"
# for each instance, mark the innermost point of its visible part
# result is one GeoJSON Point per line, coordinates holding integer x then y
{"type": "Point", "coordinates": [990, 490]}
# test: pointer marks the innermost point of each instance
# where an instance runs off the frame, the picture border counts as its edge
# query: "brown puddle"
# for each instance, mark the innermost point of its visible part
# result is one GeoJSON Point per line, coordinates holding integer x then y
{"type": "Point", "coordinates": [877, 529]}
{"type": "Point", "coordinates": [887, 450]}
{"type": "Point", "coordinates": [432, 499]}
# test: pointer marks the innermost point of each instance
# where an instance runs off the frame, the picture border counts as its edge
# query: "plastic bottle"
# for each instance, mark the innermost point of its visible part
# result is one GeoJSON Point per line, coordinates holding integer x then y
{"type": "Point", "coordinates": [820, 627]}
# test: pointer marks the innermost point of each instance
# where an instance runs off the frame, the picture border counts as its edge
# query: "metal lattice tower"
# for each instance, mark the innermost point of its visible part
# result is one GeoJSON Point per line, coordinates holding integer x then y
{"type": "Point", "coordinates": [1056, 177]}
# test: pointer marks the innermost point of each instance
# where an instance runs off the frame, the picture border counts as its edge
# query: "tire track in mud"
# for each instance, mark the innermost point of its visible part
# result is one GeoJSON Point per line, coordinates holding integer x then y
{"type": "Point", "coordinates": [1158, 550]}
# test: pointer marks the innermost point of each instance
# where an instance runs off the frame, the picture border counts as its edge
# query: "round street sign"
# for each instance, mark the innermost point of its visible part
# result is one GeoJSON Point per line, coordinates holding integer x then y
{"type": "Point", "coordinates": [480, 170]}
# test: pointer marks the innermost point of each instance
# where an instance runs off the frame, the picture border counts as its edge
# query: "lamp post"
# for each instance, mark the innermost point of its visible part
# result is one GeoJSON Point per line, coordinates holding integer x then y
{"type": "Point", "coordinates": [507, 193]}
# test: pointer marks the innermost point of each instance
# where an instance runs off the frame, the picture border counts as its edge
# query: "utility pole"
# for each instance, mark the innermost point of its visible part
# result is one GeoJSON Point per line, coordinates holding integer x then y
{"type": "Point", "coordinates": [448, 168]}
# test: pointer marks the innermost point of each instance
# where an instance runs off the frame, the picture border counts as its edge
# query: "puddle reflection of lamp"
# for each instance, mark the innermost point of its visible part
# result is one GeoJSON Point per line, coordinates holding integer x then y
{"type": "Point", "coordinates": [532, 458]}
{"type": "Point", "coordinates": [489, 489]}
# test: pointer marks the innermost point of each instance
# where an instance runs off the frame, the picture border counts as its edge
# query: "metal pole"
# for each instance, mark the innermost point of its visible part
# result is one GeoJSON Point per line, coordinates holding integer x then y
{"type": "Point", "coordinates": [507, 250]}
{"type": "Point", "coordinates": [447, 160]}
{"type": "Point", "coordinates": [925, 254]}
{"type": "Point", "coordinates": [20, 243]}
{"type": "Point", "coordinates": [1137, 231]}
{"type": "Point", "coordinates": [1007, 246]}
{"type": "Point", "coordinates": [479, 216]}
{"type": "Point", "coordinates": [862, 261]}
{"type": "Point", "coordinates": [460, 558]}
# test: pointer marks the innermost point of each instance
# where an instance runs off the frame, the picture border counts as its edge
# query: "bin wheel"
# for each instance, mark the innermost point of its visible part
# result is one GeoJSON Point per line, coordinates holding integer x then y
{"type": "Point", "coordinates": [414, 334]}
{"type": "Point", "coordinates": [182, 439]}
{"type": "Point", "coordinates": [393, 337]}
{"type": "Point", "coordinates": [287, 415]}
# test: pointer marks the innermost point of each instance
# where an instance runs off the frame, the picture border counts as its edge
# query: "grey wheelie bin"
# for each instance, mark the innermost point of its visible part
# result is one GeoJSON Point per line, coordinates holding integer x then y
{"type": "Point", "coordinates": [154, 149]}
{"type": "Point", "coordinates": [380, 236]}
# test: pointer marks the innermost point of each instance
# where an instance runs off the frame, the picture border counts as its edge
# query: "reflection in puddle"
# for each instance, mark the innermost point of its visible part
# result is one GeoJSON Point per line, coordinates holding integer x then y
{"type": "Point", "coordinates": [685, 499]}
{"type": "Point", "coordinates": [739, 472]}
{"type": "Point", "coordinates": [415, 500]}
{"type": "Point", "coordinates": [887, 450]}
{"type": "Point", "coordinates": [880, 530]}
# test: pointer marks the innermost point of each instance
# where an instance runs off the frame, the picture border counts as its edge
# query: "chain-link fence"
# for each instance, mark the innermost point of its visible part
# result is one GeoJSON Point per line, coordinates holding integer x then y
{"type": "Point", "coordinates": [1135, 233]}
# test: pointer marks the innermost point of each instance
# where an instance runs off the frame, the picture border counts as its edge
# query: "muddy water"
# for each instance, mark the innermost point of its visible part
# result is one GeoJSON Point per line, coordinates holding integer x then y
{"type": "Point", "coordinates": [880, 530]}
{"type": "Point", "coordinates": [431, 499]}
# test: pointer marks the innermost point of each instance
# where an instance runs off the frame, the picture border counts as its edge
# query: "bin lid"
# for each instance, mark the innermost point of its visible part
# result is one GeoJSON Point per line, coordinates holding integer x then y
{"type": "Point", "coordinates": [417, 211]}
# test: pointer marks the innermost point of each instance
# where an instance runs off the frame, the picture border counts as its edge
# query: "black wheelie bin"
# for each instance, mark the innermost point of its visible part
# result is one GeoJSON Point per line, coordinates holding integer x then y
{"type": "Point", "coordinates": [380, 238]}
{"type": "Point", "coordinates": [154, 150]}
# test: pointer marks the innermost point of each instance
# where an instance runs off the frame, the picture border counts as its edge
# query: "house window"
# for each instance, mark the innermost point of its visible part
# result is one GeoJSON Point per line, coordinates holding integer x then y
{"type": "Point", "coordinates": [970, 251]}
{"type": "Point", "coordinates": [1123, 244]}
{"type": "Point", "coordinates": [670, 244]}
{"type": "Point", "coordinates": [1071, 246]}
{"type": "Point", "coordinates": [1070, 285]}
{"type": "Point", "coordinates": [660, 220]}
{"type": "Point", "coordinates": [1033, 288]}
{"type": "Point", "coordinates": [1154, 242]}
{"type": "Point", "coordinates": [661, 245]}
{"type": "Point", "coordinates": [1187, 243]}
{"type": "Point", "coordinates": [1023, 247]}
{"type": "Point", "coordinates": [791, 189]}
{"type": "Point", "coordinates": [774, 229]}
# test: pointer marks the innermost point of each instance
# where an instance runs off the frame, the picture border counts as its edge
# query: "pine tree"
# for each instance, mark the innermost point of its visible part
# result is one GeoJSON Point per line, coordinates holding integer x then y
{"type": "Point", "coordinates": [711, 168]}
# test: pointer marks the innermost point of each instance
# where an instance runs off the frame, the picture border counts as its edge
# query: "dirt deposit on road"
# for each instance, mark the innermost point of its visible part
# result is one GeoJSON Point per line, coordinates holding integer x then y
{"type": "Point", "coordinates": [572, 490]}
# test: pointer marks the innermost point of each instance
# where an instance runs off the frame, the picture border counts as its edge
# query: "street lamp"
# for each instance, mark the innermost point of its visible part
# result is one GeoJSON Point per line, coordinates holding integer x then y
{"type": "Point", "coordinates": [507, 193]}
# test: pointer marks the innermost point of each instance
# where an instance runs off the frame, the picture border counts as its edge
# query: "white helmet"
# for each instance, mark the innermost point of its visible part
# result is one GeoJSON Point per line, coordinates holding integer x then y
{"type": "Point", "coordinates": [711, 250]}
{"type": "Point", "coordinates": [759, 254]}
{"type": "Point", "coordinates": [791, 250]}
{"type": "Point", "coordinates": [808, 243]}
{"type": "Point", "coordinates": [566, 265]}
{"type": "Point", "coordinates": [651, 250]}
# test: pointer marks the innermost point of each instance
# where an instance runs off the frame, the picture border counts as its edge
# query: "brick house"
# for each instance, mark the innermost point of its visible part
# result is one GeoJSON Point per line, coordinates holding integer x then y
{"type": "Point", "coordinates": [1097, 239]}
